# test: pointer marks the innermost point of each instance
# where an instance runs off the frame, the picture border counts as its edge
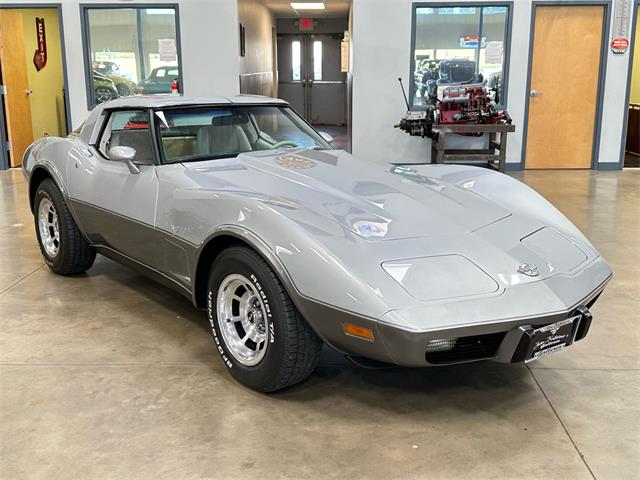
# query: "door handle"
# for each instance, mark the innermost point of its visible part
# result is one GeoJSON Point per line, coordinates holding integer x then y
{"type": "Point", "coordinates": [304, 82]}
{"type": "Point", "coordinates": [28, 91]}
{"type": "Point", "coordinates": [535, 93]}
{"type": "Point", "coordinates": [310, 82]}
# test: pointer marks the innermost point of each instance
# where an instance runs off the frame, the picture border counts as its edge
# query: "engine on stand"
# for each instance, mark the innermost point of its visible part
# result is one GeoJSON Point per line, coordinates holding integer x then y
{"type": "Point", "coordinates": [452, 104]}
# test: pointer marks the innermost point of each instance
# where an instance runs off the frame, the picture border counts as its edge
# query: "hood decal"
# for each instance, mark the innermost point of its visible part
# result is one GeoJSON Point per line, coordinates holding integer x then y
{"type": "Point", "coordinates": [294, 162]}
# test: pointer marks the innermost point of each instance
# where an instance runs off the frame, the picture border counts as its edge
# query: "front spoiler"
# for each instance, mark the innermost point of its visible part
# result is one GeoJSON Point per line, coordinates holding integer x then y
{"type": "Point", "coordinates": [399, 340]}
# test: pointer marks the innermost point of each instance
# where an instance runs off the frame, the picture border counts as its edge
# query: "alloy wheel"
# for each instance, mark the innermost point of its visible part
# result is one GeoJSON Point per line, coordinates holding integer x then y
{"type": "Point", "coordinates": [48, 227]}
{"type": "Point", "coordinates": [242, 318]}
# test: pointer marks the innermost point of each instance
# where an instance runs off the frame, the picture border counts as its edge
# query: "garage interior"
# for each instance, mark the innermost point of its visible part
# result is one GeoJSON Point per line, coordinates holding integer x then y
{"type": "Point", "coordinates": [112, 375]}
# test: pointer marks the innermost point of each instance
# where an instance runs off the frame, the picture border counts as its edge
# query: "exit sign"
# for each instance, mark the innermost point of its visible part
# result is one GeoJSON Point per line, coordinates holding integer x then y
{"type": "Point", "coordinates": [305, 24]}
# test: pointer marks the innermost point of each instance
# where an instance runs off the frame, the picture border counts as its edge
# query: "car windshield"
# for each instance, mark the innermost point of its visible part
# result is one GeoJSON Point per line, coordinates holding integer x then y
{"type": "Point", "coordinates": [202, 133]}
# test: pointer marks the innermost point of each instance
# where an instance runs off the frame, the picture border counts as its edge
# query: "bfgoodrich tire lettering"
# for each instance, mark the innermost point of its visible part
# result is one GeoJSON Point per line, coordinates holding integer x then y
{"type": "Point", "coordinates": [72, 253]}
{"type": "Point", "coordinates": [292, 349]}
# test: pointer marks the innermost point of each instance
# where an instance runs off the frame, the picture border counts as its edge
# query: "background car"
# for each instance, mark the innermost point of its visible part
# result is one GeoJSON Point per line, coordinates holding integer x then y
{"type": "Point", "coordinates": [112, 71]}
{"type": "Point", "coordinates": [160, 80]}
{"type": "Point", "coordinates": [445, 72]}
{"type": "Point", "coordinates": [103, 87]}
{"type": "Point", "coordinates": [427, 71]}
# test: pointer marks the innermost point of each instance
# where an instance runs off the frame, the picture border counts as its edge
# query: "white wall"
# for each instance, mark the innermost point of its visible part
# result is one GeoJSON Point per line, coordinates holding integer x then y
{"type": "Point", "coordinates": [256, 67]}
{"type": "Point", "coordinates": [209, 35]}
{"type": "Point", "coordinates": [381, 53]}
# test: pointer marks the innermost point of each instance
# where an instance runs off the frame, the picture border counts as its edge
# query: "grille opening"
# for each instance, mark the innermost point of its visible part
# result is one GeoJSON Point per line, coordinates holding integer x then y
{"type": "Point", "coordinates": [475, 347]}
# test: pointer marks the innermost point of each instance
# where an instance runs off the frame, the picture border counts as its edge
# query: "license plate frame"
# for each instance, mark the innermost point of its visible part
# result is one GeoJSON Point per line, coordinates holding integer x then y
{"type": "Point", "coordinates": [552, 338]}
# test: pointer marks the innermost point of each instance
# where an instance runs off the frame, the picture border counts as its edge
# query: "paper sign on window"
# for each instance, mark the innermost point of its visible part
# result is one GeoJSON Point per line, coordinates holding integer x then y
{"type": "Point", "coordinates": [493, 52]}
{"type": "Point", "coordinates": [167, 49]}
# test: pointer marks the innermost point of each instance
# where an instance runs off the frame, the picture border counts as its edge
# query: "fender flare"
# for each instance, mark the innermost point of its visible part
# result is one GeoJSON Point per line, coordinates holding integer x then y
{"type": "Point", "coordinates": [251, 239]}
{"type": "Point", "coordinates": [52, 172]}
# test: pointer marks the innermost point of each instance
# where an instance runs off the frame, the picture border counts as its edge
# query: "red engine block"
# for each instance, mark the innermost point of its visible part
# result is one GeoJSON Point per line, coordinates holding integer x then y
{"type": "Point", "coordinates": [468, 104]}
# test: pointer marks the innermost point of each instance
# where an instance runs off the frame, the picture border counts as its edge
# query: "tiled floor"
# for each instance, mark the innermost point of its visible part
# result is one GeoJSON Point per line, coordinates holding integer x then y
{"type": "Point", "coordinates": [110, 375]}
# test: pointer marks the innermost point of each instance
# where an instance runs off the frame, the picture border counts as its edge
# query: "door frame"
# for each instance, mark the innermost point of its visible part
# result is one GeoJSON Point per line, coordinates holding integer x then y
{"type": "Point", "coordinates": [635, 11]}
{"type": "Point", "coordinates": [4, 153]}
{"type": "Point", "coordinates": [4, 157]}
{"type": "Point", "coordinates": [602, 72]}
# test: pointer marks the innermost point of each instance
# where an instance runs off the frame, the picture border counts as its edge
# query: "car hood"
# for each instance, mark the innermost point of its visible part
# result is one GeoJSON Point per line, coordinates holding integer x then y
{"type": "Point", "coordinates": [377, 233]}
{"type": "Point", "coordinates": [375, 202]}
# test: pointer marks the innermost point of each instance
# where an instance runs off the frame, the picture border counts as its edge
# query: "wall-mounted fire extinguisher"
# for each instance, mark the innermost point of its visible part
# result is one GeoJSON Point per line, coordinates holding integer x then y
{"type": "Point", "coordinates": [175, 87]}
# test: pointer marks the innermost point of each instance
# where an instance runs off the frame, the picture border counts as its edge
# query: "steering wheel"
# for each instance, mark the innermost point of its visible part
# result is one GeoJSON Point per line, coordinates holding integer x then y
{"type": "Point", "coordinates": [284, 143]}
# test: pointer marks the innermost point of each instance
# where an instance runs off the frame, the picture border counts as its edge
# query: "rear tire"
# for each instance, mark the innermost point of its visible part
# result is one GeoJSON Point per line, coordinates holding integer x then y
{"type": "Point", "coordinates": [63, 247]}
{"type": "Point", "coordinates": [123, 90]}
{"type": "Point", "coordinates": [280, 349]}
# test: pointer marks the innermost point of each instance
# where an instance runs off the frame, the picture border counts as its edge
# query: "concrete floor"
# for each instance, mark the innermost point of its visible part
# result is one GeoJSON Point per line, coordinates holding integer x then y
{"type": "Point", "coordinates": [113, 376]}
{"type": "Point", "coordinates": [339, 134]}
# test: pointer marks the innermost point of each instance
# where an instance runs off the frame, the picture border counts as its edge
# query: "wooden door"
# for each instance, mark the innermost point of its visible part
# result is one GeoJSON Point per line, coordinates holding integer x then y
{"type": "Point", "coordinates": [14, 78]}
{"type": "Point", "coordinates": [563, 99]}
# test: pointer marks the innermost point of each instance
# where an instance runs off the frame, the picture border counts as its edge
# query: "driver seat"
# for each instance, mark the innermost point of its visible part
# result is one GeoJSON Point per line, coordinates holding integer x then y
{"type": "Point", "coordinates": [224, 136]}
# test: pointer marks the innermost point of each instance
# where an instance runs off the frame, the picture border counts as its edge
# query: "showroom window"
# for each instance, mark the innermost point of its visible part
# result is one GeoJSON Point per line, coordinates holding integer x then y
{"type": "Point", "coordinates": [461, 44]}
{"type": "Point", "coordinates": [129, 51]}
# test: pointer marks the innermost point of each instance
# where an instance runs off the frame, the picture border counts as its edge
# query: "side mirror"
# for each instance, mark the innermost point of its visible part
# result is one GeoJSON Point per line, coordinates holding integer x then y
{"type": "Point", "coordinates": [326, 137]}
{"type": "Point", "coordinates": [125, 155]}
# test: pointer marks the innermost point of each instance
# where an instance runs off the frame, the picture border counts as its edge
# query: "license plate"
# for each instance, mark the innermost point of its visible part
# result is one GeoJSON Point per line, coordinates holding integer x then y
{"type": "Point", "coordinates": [551, 338]}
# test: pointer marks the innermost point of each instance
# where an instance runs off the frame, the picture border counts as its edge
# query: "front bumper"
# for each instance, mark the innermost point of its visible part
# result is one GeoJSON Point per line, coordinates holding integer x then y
{"type": "Point", "coordinates": [496, 329]}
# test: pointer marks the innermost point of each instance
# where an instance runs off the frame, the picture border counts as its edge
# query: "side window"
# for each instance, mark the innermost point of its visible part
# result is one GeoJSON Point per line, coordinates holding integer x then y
{"type": "Point", "coordinates": [130, 129]}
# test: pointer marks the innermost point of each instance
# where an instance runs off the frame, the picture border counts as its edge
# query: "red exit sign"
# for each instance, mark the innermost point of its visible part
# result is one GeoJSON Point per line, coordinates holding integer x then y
{"type": "Point", "coordinates": [305, 24]}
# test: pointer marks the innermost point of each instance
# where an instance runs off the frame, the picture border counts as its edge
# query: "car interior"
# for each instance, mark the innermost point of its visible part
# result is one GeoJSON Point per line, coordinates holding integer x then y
{"type": "Point", "coordinates": [212, 133]}
{"type": "Point", "coordinates": [129, 129]}
{"type": "Point", "coordinates": [224, 133]}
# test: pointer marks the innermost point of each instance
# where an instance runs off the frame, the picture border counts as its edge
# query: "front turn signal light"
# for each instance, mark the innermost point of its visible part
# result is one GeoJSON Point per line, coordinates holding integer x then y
{"type": "Point", "coordinates": [358, 331]}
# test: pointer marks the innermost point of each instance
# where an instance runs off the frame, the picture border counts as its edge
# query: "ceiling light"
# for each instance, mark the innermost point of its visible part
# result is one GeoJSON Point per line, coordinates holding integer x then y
{"type": "Point", "coordinates": [307, 5]}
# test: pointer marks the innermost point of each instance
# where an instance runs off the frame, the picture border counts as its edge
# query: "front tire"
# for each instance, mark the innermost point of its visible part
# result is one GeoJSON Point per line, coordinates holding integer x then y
{"type": "Point", "coordinates": [63, 247]}
{"type": "Point", "coordinates": [104, 94]}
{"type": "Point", "coordinates": [260, 335]}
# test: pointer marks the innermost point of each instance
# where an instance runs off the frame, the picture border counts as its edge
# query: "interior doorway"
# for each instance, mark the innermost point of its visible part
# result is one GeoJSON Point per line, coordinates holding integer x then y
{"type": "Point", "coordinates": [310, 77]}
{"type": "Point", "coordinates": [562, 122]}
{"type": "Point", "coordinates": [301, 55]}
{"type": "Point", "coordinates": [32, 73]}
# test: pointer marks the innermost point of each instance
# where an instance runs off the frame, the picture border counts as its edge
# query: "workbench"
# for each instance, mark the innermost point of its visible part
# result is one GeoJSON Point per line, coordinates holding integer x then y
{"type": "Point", "coordinates": [487, 157]}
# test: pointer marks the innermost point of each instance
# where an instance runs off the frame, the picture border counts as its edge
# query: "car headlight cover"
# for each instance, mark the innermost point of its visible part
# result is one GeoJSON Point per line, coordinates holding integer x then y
{"type": "Point", "coordinates": [440, 277]}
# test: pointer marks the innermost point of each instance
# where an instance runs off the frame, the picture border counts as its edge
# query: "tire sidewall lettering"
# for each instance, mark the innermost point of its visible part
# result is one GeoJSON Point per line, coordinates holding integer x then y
{"type": "Point", "coordinates": [267, 308]}
{"type": "Point", "coordinates": [212, 320]}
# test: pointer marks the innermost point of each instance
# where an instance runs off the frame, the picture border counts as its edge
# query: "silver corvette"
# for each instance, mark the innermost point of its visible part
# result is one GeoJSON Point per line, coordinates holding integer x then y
{"type": "Point", "coordinates": [244, 208]}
